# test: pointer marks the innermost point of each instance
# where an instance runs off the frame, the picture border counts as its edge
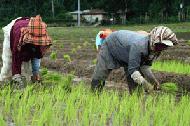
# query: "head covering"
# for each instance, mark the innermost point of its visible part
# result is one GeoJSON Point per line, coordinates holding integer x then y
{"type": "Point", "coordinates": [104, 33]}
{"type": "Point", "coordinates": [35, 33]}
{"type": "Point", "coordinates": [162, 35]}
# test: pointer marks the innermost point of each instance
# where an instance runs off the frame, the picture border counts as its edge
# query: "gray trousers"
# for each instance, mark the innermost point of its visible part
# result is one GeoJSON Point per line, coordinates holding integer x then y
{"type": "Point", "coordinates": [105, 64]}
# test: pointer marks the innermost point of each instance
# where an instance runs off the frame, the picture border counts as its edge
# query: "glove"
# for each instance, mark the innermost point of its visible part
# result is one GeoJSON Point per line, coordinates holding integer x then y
{"type": "Point", "coordinates": [147, 86]}
{"type": "Point", "coordinates": [145, 69]}
{"type": "Point", "coordinates": [139, 79]}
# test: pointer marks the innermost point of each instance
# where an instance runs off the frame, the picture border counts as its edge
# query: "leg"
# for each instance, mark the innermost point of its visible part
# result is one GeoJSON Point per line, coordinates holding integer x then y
{"type": "Point", "coordinates": [99, 77]}
{"type": "Point", "coordinates": [35, 69]}
{"type": "Point", "coordinates": [17, 79]}
{"type": "Point", "coordinates": [131, 84]}
{"type": "Point", "coordinates": [16, 64]}
{"type": "Point", "coordinates": [101, 72]}
{"type": "Point", "coordinates": [105, 63]}
{"type": "Point", "coordinates": [35, 66]}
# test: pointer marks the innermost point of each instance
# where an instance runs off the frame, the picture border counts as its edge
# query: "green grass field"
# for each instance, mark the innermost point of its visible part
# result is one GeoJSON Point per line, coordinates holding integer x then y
{"type": "Point", "coordinates": [59, 102]}
{"type": "Point", "coordinates": [87, 33]}
{"type": "Point", "coordinates": [74, 33]}
{"type": "Point", "coordinates": [172, 66]}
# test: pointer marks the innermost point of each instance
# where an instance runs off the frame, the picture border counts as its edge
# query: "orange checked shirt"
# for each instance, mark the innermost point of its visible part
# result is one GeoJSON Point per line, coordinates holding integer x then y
{"type": "Point", "coordinates": [35, 33]}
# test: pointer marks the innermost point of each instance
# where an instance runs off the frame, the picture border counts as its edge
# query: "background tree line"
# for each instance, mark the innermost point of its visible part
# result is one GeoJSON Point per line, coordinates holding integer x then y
{"type": "Point", "coordinates": [134, 11]}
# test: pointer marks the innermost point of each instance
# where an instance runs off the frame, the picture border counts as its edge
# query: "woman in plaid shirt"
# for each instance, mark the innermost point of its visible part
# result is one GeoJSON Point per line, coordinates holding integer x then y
{"type": "Point", "coordinates": [28, 40]}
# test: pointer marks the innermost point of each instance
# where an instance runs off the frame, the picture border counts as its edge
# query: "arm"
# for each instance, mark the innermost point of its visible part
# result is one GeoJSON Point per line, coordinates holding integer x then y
{"type": "Point", "coordinates": [134, 64]}
{"type": "Point", "coordinates": [134, 68]}
{"type": "Point", "coordinates": [148, 74]}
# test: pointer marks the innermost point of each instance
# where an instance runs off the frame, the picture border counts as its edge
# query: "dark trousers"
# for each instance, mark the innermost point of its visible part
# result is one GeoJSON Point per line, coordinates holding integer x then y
{"type": "Point", "coordinates": [105, 64]}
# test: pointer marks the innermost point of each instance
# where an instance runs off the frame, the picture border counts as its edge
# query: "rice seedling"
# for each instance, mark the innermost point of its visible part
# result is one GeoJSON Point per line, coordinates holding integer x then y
{"type": "Point", "coordinates": [44, 71]}
{"type": "Point", "coordinates": [79, 47]}
{"type": "Point", "coordinates": [73, 50]}
{"type": "Point", "coordinates": [172, 66]}
{"type": "Point", "coordinates": [53, 55]}
{"type": "Point", "coordinates": [67, 57]}
{"type": "Point", "coordinates": [94, 61]}
{"type": "Point", "coordinates": [169, 87]}
{"type": "Point", "coordinates": [85, 44]}
{"type": "Point", "coordinates": [79, 106]}
{"type": "Point", "coordinates": [62, 46]}
{"type": "Point", "coordinates": [188, 42]}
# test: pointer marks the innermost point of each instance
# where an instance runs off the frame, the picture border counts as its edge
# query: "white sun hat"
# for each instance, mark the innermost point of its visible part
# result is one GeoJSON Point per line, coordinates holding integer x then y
{"type": "Point", "coordinates": [163, 35]}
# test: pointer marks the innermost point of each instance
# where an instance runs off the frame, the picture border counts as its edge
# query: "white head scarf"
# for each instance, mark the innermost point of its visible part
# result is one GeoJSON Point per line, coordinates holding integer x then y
{"type": "Point", "coordinates": [163, 35]}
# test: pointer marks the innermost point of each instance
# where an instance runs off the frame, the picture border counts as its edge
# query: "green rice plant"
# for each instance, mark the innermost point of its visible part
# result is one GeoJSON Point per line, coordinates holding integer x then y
{"type": "Point", "coordinates": [53, 55]}
{"type": "Point", "coordinates": [62, 46]}
{"type": "Point", "coordinates": [183, 111]}
{"type": "Point", "coordinates": [169, 87]}
{"type": "Point", "coordinates": [94, 61]}
{"type": "Point", "coordinates": [47, 113]}
{"type": "Point", "coordinates": [2, 121]}
{"type": "Point", "coordinates": [67, 57]}
{"type": "Point", "coordinates": [79, 106]}
{"type": "Point", "coordinates": [7, 99]}
{"type": "Point", "coordinates": [79, 47]}
{"type": "Point", "coordinates": [73, 50]}
{"type": "Point", "coordinates": [94, 47]}
{"type": "Point", "coordinates": [188, 42]}
{"type": "Point", "coordinates": [85, 44]}
{"type": "Point", "coordinates": [55, 77]}
{"type": "Point", "coordinates": [43, 71]}
{"type": "Point", "coordinates": [52, 78]}
{"type": "Point", "coordinates": [66, 83]}
{"type": "Point", "coordinates": [55, 41]}
{"type": "Point", "coordinates": [172, 66]}
{"type": "Point", "coordinates": [72, 44]}
{"type": "Point", "coordinates": [22, 108]}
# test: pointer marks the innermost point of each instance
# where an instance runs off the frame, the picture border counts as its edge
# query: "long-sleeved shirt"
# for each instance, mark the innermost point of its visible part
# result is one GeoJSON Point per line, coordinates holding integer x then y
{"type": "Point", "coordinates": [27, 51]}
{"type": "Point", "coordinates": [129, 48]}
{"type": "Point", "coordinates": [99, 41]}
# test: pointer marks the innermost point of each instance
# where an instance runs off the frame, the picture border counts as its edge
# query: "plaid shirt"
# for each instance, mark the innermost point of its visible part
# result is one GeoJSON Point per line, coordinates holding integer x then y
{"type": "Point", "coordinates": [35, 33]}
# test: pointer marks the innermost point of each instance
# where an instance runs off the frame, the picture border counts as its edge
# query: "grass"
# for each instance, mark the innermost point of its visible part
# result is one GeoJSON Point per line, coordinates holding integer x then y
{"type": "Point", "coordinates": [58, 101]}
{"type": "Point", "coordinates": [78, 34]}
{"type": "Point", "coordinates": [88, 33]}
{"type": "Point", "coordinates": [169, 87]}
{"type": "Point", "coordinates": [56, 105]}
{"type": "Point", "coordinates": [188, 42]}
{"type": "Point", "coordinates": [53, 55]}
{"type": "Point", "coordinates": [172, 66]}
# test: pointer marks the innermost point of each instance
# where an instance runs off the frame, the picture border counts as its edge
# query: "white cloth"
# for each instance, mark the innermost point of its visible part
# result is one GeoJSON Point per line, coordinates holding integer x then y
{"type": "Point", "coordinates": [6, 54]}
{"type": "Point", "coordinates": [160, 34]}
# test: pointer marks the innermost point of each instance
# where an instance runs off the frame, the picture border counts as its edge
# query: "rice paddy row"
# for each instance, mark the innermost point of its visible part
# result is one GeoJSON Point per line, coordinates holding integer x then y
{"type": "Point", "coordinates": [172, 66]}
{"type": "Point", "coordinates": [59, 102]}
